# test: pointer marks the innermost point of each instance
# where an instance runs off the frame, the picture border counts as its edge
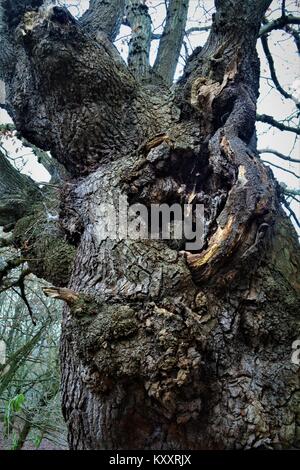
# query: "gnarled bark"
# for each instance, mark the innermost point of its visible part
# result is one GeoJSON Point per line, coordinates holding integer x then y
{"type": "Point", "coordinates": [161, 348]}
{"type": "Point", "coordinates": [104, 16]}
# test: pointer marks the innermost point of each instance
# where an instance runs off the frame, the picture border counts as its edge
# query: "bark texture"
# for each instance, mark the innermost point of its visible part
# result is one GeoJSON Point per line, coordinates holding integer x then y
{"type": "Point", "coordinates": [17, 193]}
{"type": "Point", "coordinates": [139, 20]}
{"type": "Point", "coordinates": [164, 349]}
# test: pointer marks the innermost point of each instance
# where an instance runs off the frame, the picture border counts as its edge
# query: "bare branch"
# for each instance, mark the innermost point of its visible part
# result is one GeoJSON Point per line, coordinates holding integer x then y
{"type": "Point", "coordinates": [139, 20]}
{"type": "Point", "coordinates": [294, 198]}
{"type": "Point", "coordinates": [171, 41]}
{"type": "Point", "coordinates": [247, 15]}
{"type": "Point", "coordinates": [194, 29]}
{"type": "Point", "coordinates": [265, 45]}
{"type": "Point", "coordinates": [279, 125]}
{"type": "Point", "coordinates": [103, 16]}
{"type": "Point", "coordinates": [295, 35]}
{"type": "Point", "coordinates": [56, 170]}
{"type": "Point", "coordinates": [22, 294]}
{"type": "Point", "coordinates": [279, 23]}
{"type": "Point", "coordinates": [291, 212]}
{"type": "Point", "coordinates": [279, 155]}
{"type": "Point", "coordinates": [18, 283]}
{"type": "Point", "coordinates": [283, 8]}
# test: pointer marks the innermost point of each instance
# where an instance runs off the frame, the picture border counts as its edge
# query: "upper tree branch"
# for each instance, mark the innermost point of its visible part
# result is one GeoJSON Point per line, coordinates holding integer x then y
{"type": "Point", "coordinates": [171, 41]}
{"type": "Point", "coordinates": [279, 125]}
{"type": "Point", "coordinates": [279, 23]}
{"type": "Point", "coordinates": [55, 56]}
{"type": "Point", "coordinates": [231, 22]}
{"type": "Point", "coordinates": [56, 170]}
{"type": "Point", "coordinates": [282, 168]}
{"type": "Point", "coordinates": [265, 45]}
{"type": "Point", "coordinates": [279, 155]}
{"type": "Point", "coordinates": [197, 29]}
{"type": "Point", "coordinates": [139, 20]}
{"type": "Point", "coordinates": [103, 16]}
{"type": "Point", "coordinates": [193, 29]}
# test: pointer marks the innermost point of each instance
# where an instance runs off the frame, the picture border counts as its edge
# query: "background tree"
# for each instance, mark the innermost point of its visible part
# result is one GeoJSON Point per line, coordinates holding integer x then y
{"type": "Point", "coordinates": [29, 374]}
{"type": "Point", "coordinates": [160, 348]}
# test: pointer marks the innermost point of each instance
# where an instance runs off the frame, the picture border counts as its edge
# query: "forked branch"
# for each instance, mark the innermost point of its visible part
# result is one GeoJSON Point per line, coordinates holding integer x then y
{"type": "Point", "coordinates": [279, 125]}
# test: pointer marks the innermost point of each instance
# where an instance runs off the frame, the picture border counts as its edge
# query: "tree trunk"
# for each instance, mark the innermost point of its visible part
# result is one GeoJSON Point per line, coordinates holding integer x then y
{"type": "Point", "coordinates": [163, 348]}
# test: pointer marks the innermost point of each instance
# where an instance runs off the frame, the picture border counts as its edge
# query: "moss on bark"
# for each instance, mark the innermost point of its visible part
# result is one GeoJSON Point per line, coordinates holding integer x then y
{"type": "Point", "coordinates": [49, 255]}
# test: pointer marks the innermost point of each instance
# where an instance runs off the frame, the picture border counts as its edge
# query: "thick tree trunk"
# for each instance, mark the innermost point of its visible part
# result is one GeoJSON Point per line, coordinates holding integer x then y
{"type": "Point", "coordinates": [165, 349]}
{"type": "Point", "coordinates": [17, 193]}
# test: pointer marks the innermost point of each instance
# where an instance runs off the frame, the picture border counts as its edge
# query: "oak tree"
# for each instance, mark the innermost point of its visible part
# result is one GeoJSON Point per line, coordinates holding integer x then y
{"type": "Point", "coordinates": [161, 348]}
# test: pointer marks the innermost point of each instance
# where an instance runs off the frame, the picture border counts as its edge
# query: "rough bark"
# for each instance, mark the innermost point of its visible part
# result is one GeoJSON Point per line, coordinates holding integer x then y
{"type": "Point", "coordinates": [161, 348]}
{"type": "Point", "coordinates": [17, 193]}
{"type": "Point", "coordinates": [103, 16]}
